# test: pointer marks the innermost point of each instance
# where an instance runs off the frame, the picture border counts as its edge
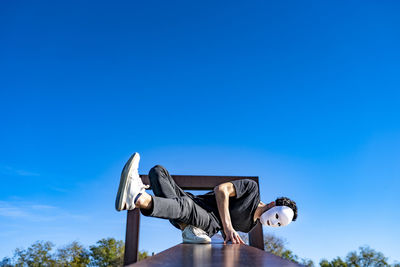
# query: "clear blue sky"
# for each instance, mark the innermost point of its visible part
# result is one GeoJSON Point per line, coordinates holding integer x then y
{"type": "Point", "coordinates": [304, 94]}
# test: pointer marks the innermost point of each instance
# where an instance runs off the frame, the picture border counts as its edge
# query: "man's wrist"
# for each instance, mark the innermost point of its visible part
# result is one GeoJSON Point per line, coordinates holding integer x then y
{"type": "Point", "coordinates": [228, 227]}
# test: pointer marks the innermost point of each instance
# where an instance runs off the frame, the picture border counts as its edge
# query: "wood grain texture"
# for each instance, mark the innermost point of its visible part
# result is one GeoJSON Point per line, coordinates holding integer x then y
{"type": "Point", "coordinates": [201, 182]}
{"type": "Point", "coordinates": [230, 255]}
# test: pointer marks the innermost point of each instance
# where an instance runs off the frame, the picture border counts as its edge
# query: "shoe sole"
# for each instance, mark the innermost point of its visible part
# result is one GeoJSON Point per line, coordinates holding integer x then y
{"type": "Point", "coordinates": [121, 194]}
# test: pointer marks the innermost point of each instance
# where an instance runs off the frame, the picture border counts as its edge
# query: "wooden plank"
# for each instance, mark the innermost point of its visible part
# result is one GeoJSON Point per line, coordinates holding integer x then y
{"type": "Point", "coordinates": [256, 237]}
{"type": "Point", "coordinates": [132, 237]}
{"type": "Point", "coordinates": [201, 182]}
{"type": "Point", "coordinates": [230, 255]}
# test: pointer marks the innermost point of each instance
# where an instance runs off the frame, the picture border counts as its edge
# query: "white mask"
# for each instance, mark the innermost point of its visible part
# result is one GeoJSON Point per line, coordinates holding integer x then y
{"type": "Point", "coordinates": [277, 216]}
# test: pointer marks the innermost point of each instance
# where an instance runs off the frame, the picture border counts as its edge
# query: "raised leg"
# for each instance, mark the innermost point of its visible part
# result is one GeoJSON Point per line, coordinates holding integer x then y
{"type": "Point", "coordinates": [164, 186]}
{"type": "Point", "coordinates": [162, 183]}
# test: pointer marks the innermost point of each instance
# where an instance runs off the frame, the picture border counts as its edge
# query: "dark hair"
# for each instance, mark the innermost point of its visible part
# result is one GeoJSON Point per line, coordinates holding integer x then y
{"type": "Point", "coordinates": [284, 201]}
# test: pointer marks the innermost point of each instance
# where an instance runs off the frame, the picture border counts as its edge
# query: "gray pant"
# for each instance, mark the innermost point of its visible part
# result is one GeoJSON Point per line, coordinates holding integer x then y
{"type": "Point", "coordinates": [171, 202]}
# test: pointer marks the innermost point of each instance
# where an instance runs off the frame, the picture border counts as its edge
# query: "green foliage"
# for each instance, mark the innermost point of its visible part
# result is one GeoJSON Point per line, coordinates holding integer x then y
{"type": "Point", "coordinates": [6, 262]}
{"type": "Point", "coordinates": [276, 246]}
{"type": "Point", "coordinates": [107, 252]}
{"type": "Point", "coordinates": [143, 255]}
{"type": "Point", "coordinates": [73, 255]}
{"type": "Point", "coordinates": [366, 257]}
{"type": "Point", "coordinates": [307, 262]}
{"type": "Point", "coordinates": [337, 262]}
{"type": "Point", "coordinates": [110, 252]}
{"type": "Point", "coordinates": [38, 254]}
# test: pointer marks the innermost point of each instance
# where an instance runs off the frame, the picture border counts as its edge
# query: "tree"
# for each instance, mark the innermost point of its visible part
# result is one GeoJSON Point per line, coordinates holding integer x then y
{"type": "Point", "coordinates": [108, 252]}
{"type": "Point", "coordinates": [366, 257]}
{"type": "Point", "coordinates": [20, 257]}
{"type": "Point", "coordinates": [38, 254]}
{"type": "Point", "coordinates": [276, 246]}
{"type": "Point", "coordinates": [6, 262]}
{"type": "Point", "coordinates": [337, 262]}
{"type": "Point", "coordinates": [73, 255]}
{"type": "Point", "coordinates": [307, 262]}
{"type": "Point", "coordinates": [143, 255]}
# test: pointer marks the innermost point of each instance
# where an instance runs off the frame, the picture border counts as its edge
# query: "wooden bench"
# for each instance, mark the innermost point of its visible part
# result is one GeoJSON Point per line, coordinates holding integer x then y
{"type": "Point", "coordinates": [186, 182]}
{"type": "Point", "coordinates": [203, 255]}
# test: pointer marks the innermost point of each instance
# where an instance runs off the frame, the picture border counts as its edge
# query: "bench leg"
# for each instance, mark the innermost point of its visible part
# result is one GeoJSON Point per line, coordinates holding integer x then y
{"type": "Point", "coordinates": [256, 238]}
{"type": "Point", "coordinates": [132, 237]}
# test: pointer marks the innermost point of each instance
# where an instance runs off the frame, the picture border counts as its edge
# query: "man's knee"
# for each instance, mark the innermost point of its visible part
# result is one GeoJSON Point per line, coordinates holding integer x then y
{"type": "Point", "coordinates": [157, 172]}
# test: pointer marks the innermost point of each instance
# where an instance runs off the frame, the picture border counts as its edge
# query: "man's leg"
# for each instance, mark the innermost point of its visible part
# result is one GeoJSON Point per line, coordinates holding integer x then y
{"type": "Point", "coordinates": [182, 209]}
{"type": "Point", "coordinates": [162, 183]}
{"type": "Point", "coordinates": [164, 186]}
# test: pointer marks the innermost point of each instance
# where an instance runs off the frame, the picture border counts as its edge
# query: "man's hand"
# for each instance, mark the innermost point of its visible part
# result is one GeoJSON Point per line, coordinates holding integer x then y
{"type": "Point", "coordinates": [232, 235]}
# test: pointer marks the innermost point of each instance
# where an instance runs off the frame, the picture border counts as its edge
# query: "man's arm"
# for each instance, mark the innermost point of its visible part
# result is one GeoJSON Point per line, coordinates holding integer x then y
{"type": "Point", "coordinates": [222, 194]}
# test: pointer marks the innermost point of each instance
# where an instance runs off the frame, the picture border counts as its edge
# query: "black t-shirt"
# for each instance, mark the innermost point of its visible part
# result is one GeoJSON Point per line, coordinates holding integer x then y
{"type": "Point", "coordinates": [241, 207]}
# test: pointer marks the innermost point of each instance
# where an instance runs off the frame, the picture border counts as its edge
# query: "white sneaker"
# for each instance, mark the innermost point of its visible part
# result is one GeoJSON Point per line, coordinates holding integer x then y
{"type": "Point", "coordinates": [195, 235]}
{"type": "Point", "coordinates": [130, 184]}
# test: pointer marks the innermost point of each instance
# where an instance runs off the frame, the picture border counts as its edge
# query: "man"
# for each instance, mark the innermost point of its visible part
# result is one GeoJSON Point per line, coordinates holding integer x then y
{"type": "Point", "coordinates": [233, 206]}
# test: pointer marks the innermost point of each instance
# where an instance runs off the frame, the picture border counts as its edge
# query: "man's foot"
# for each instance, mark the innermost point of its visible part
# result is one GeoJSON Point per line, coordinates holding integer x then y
{"type": "Point", "coordinates": [130, 185]}
{"type": "Point", "coordinates": [195, 235]}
